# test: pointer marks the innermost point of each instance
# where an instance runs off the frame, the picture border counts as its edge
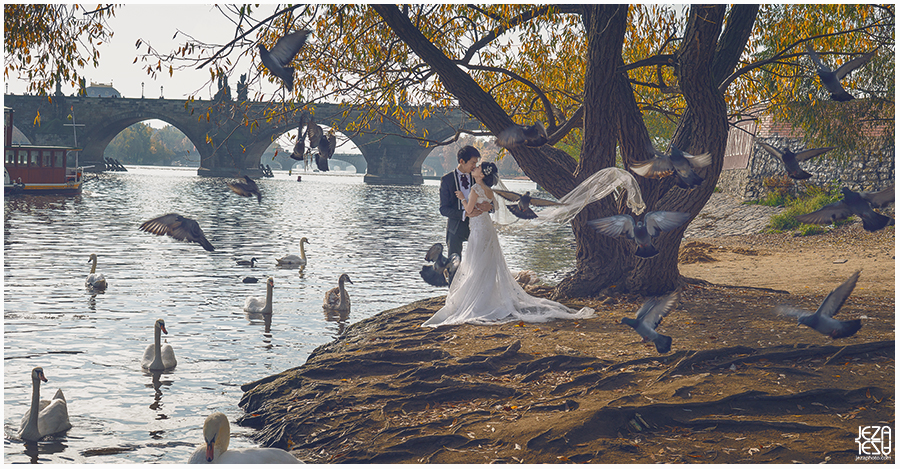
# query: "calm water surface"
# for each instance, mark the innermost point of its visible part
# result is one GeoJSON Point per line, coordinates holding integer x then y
{"type": "Point", "coordinates": [90, 345]}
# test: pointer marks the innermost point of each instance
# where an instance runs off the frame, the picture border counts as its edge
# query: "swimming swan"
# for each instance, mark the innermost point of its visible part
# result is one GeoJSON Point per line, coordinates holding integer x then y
{"type": "Point", "coordinates": [292, 259]}
{"type": "Point", "coordinates": [94, 280]}
{"type": "Point", "coordinates": [258, 305]}
{"type": "Point", "coordinates": [337, 298]}
{"type": "Point", "coordinates": [217, 433]}
{"type": "Point", "coordinates": [159, 357]}
{"type": "Point", "coordinates": [44, 417]}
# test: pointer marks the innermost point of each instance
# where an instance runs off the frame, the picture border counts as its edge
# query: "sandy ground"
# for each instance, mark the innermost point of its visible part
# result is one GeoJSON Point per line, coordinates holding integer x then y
{"type": "Point", "coordinates": [740, 385]}
{"type": "Point", "coordinates": [799, 265]}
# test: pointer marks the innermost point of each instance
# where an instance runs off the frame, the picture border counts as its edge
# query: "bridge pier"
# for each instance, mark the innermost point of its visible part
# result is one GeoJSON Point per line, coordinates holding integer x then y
{"type": "Point", "coordinates": [392, 160]}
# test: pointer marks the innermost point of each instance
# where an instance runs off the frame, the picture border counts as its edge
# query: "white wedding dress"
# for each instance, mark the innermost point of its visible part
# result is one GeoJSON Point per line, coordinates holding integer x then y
{"type": "Point", "coordinates": [485, 292]}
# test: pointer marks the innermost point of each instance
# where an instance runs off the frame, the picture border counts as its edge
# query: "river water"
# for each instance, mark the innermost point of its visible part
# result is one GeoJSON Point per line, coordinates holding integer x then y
{"type": "Point", "coordinates": [90, 345]}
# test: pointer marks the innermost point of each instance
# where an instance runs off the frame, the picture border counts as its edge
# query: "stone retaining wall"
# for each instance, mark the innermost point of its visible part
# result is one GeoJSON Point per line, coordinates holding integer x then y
{"type": "Point", "coordinates": [865, 171]}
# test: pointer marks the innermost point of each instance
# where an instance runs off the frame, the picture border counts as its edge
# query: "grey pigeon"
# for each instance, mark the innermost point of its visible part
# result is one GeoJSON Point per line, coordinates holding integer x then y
{"type": "Point", "coordinates": [522, 207]}
{"type": "Point", "coordinates": [880, 198]}
{"type": "Point", "coordinates": [792, 160]}
{"type": "Point", "coordinates": [831, 80]}
{"type": "Point", "coordinates": [823, 319]}
{"type": "Point", "coordinates": [326, 149]}
{"type": "Point", "coordinates": [300, 147]}
{"type": "Point", "coordinates": [648, 318]}
{"type": "Point", "coordinates": [178, 227]}
{"type": "Point", "coordinates": [678, 163]}
{"type": "Point", "coordinates": [532, 135]}
{"type": "Point", "coordinates": [853, 203]}
{"type": "Point", "coordinates": [245, 188]}
{"type": "Point", "coordinates": [313, 133]}
{"type": "Point", "coordinates": [278, 60]}
{"type": "Point", "coordinates": [642, 232]}
{"type": "Point", "coordinates": [442, 269]}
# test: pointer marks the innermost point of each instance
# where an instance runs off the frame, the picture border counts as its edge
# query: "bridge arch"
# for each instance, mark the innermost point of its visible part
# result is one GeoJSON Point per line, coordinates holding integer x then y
{"type": "Point", "coordinates": [97, 141]}
{"type": "Point", "coordinates": [226, 146]}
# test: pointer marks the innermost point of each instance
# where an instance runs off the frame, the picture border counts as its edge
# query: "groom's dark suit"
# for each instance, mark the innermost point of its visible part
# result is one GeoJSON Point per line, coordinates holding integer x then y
{"type": "Point", "coordinates": [452, 208]}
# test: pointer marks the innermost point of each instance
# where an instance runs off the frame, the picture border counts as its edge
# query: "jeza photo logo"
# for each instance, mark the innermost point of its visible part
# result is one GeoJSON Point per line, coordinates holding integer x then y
{"type": "Point", "coordinates": [874, 442]}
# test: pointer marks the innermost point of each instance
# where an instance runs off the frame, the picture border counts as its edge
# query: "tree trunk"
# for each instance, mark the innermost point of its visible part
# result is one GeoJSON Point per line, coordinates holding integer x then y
{"type": "Point", "coordinates": [611, 115]}
{"type": "Point", "coordinates": [703, 128]}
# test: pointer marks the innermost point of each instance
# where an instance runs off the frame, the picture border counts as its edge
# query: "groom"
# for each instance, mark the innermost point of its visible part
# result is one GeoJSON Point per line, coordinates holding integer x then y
{"type": "Point", "coordinates": [461, 180]}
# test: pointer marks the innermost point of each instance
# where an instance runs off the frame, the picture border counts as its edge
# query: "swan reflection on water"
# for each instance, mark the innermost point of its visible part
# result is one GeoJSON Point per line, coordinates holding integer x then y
{"type": "Point", "coordinates": [156, 382]}
{"type": "Point", "coordinates": [266, 319]}
{"type": "Point", "coordinates": [34, 450]}
{"type": "Point", "coordinates": [339, 317]}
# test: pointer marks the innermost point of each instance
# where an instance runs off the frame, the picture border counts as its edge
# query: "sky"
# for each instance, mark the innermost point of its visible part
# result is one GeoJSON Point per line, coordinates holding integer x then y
{"type": "Point", "coordinates": [156, 25]}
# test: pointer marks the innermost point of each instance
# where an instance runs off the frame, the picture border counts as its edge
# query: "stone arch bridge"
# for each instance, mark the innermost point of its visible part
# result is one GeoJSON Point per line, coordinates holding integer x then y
{"type": "Point", "coordinates": [218, 129]}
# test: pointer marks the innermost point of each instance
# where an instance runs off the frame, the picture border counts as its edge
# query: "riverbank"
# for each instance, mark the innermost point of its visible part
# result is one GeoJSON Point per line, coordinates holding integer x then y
{"type": "Point", "coordinates": [740, 385]}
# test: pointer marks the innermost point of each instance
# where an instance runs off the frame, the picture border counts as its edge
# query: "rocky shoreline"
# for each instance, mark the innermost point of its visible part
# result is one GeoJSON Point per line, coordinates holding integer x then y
{"type": "Point", "coordinates": [390, 391]}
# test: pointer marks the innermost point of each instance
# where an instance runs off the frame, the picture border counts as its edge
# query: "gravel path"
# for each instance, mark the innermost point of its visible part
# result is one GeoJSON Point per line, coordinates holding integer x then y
{"type": "Point", "coordinates": [725, 215]}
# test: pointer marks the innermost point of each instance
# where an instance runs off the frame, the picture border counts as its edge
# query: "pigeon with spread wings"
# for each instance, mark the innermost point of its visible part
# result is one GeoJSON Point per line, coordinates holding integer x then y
{"type": "Point", "coordinates": [178, 227]}
{"type": "Point", "coordinates": [278, 60]}
{"type": "Point", "coordinates": [823, 319]}
{"type": "Point", "coordinates": [642, 232]}
{"type": "Point", "coordinates": [245, 188]}
{"type": "Point", "coordinates": [522, 207]}
{"type": "Point", "coordinates": [831, 80]}
{"type": "Point", "coordinates": [299, 150]}
{"type": "Point", "coordinates": [792, 160]}
{"type": "Point", "coordinates": [442, 269]}
{"type": "Point", "coordinates": [327, 144]}
{"type": "Point", "coordinates": [648, 318]}
{"type": "Point", "coordinates": [680, 164]}
{"type": "Point", "coordinates": [854, 203]}
{"type": "Point", "coordinates": [529, 135]}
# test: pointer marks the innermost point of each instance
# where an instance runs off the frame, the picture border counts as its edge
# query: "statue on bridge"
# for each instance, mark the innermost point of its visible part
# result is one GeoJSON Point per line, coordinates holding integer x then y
{"type": "Point", "coordinates": [242, 88]}
{"type": "Point", "coordinates": [224, 93]}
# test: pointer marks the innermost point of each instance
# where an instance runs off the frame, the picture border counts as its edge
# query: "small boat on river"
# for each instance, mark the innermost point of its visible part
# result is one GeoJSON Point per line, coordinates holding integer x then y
{"type": "Point", "coordinates": [39, 168]}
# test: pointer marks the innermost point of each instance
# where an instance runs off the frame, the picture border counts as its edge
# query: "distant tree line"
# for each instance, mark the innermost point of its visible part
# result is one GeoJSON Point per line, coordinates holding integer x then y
{"type": "Point", "coordinates": [141, 144]}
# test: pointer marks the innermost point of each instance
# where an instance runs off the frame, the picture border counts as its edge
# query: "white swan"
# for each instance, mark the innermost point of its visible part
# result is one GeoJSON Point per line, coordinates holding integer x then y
{"type": "Point", "coordinates": [258, 305]}
{"type": "Point", "coordinates": [94, 280]}
{"type": "Point", "coordinates": [292, 259]}
{"type": "Point", "coordinates": [337, 298]}
{"type": "Point", "coordinates": [217, 433]}
{"type": "Point", "coordinates": [159, 357]}
{"type": "Point", "coordinates": [44, 417]}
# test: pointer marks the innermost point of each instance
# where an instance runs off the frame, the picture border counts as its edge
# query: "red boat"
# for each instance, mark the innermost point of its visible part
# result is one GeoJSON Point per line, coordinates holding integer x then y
{"type": "Point", "coordinates": [38, 169]}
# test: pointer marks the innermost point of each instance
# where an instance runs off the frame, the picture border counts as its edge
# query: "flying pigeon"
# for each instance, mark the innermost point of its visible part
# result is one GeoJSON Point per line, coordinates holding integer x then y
{"type": "Point", "coordinates": [831, 80]}
{"type": "Point", "coordinates": [178, 227]}
{"type": "Point", "coordinates": [300, 146]}
{"type": "Point", "coordinates": [245, 188]}
{"type": "Point", "coordinates": [679, 163]}
{"type": "Point", "coordinates": [522, 207]}
{"type": "Point", "coordinates": [531, 135]}
{"type": "Point", "coordinates": [313, 133]}
{"type": "Point", "coordinates": [326, 150]}
{"type": "Point", "coordinates": [823, 319]}
{"type": "Point", "coordinates": [853, 204]}
{"type": "Point", "coordinates": [791, 160]}
{"type": "Point", "coordinates": [441, 270]}
{"type": "Point", "coordinates": [278, 59]}
{"type": "Point", "coordinates": [648, 318]}
{"type": "Point", "coordinates": [881, 198]}
{"type": "Point", "coordinates": [642, 232]}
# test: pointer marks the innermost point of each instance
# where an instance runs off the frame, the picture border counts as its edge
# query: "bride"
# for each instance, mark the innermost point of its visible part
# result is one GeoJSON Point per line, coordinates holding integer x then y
{"type": "Point", "coordinates": [483, 290]}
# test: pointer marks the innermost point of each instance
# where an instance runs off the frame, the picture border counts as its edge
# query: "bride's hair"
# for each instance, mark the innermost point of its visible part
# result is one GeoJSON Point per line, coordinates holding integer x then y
{"type": "Point", "coordinates": [490, 173]}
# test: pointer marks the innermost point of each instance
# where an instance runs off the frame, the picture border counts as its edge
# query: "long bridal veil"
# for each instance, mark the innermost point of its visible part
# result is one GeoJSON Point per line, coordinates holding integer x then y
{"type": "Point", "coordinates": [597, 186]}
